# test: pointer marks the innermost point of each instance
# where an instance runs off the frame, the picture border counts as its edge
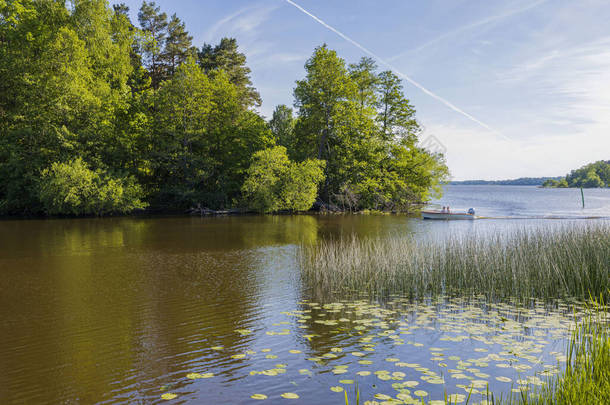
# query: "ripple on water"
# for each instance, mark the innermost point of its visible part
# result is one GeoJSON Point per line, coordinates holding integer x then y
{"type": "Point", "coordinates": [397, 350]}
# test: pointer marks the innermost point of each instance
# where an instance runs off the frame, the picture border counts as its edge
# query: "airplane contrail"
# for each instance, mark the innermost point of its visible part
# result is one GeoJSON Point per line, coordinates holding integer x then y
{"type": "Point", "coordinates": [398, 72]}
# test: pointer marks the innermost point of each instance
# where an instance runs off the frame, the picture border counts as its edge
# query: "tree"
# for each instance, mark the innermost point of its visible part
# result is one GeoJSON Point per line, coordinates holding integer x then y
{"type": "Point", "coordinates": [365, 77]}
{"type": "Point", "coordinates": [74, 189]}
{"type": "Point", "coordinates": [592, 180]}
{"type": "Point", "coordinates": [154, 24]}
{"type": "Point", "coordinates": [396, 116]}
{"type": "Point", "coordinates": [363, 126]}
{"type": "Point", "coordinates": [65, 73]}
{"type": "Point", "coordinates": [177, 45]}
{"type": "Point", "coordinates": [550, 183]}
{"type": "Point", "coordinates": [274, 183]}
{"type": "Point", "coordinates": [321, 98]}
{"type": "Point", "coordinates": [595, 174]}
{"type": "Point", "coordinates": [282, 126]}
{"type": "Point", "coordinates": [204, 139]}
{"type": "Point", "coordinates": [226, 56]}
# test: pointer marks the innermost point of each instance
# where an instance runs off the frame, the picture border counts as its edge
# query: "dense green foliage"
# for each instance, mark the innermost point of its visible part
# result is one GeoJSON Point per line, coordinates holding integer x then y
{"type": "Point", "coordinates": [593, 175]}
{"type": "Point", "coordinates": [85, 92]}
{"type": "Point", "coordinates": [274, 183]}
{"type": "Point", "coordinates": [361, 124]}
{"type": "Point", "coordinates": [73, 188]}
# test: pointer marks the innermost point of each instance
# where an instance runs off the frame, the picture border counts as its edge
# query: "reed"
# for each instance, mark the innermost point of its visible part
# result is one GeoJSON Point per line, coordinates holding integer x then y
{"type": "Point", "coordinates": [570, 262]}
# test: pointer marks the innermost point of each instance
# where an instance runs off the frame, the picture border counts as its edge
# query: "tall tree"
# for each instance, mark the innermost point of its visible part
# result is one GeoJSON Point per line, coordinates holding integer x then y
{"type": "Point", "coordinates": [204, 139]}
{"type": "Point", "coordinates": [282, 126]}
{"type": "Point", "coordinates": [226, 56]}
{"type": "Point", "coordinates": [122, 9]}
{"type": "Point", "coordinates": [321, 98]}
{"type": "Point", "coordinates": [396, 115]}
{"type": "Point", "coordinates": [177, 44]}
{"type": "Point", "coordinates": [365, 77]}
{"type": "Point", "coordinates": [154, 24]}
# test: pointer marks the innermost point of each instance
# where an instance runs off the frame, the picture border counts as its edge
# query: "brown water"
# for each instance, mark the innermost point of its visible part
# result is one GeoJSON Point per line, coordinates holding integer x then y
{"type": "Point", "coordinates": [122, 310]}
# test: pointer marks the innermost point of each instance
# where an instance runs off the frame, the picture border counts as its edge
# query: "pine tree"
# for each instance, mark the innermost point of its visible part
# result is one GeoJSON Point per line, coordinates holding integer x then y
{"type": "Point", "coordinates": [177, 45]}
{"type": "Point", "coordinates": [154, 24]}
{"type": "Point", "coordinates": [226, 56]}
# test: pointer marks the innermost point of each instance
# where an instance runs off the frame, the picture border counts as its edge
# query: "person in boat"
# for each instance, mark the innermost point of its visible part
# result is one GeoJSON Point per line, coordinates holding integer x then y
{"type": "Point", "coordinates": [471, 211]}
{"type": "Point", "coordinates": [448, 210]}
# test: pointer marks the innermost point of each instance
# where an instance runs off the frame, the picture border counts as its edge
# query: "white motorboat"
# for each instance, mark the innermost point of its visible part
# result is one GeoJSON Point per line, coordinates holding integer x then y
{"type": "Point", "coordinates": [447, 215]}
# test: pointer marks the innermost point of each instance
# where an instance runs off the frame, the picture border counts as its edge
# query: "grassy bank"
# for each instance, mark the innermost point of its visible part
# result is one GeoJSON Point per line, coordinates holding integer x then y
{"type": "Point", "coordinates": [570, 262]}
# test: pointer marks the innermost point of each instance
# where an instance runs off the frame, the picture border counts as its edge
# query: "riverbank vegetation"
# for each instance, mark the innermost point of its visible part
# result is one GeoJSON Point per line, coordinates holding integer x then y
{"type": "Point", "coordinates": [543, 264]}
{"type": "Point", "coordinates": [593, 175]}
{"type": "Point", "coordinates": [149, 119]}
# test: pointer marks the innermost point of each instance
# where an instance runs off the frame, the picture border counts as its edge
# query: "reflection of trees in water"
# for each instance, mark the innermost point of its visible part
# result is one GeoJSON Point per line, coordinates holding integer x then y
{"type": "Point", "coordinates": [118, 305]}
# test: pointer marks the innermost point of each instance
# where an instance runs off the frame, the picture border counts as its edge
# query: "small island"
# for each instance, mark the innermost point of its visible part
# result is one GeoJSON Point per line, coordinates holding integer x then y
{"type": "Point", "coordinates": [593, 175]}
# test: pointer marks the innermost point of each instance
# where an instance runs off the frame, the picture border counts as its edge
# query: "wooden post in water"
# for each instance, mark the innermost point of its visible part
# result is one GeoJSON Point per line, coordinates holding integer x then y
{"type": "Point", "coordinates": [582, 195]}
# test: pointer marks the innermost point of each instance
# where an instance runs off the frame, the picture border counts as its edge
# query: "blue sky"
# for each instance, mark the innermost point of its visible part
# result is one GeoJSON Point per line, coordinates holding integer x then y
{"type": "Point", "coordinates": [514, 88]}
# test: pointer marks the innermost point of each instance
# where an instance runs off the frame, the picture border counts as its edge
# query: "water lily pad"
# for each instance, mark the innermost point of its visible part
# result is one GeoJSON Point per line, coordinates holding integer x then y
{"type": "Point", "coordinates": [289, 395]}
{"type": "Point", "coordinates": [420, 393]}
{"type": "Point", "coordinates": [336, 389]}
{"type": "Point", "coordinates": [382, 397]}
{"type": "Point", "coordinates": [346, 381]}
{"type": "Point", "coordinates": [294, 351]}
{"type": "Point", "coordinates": [258, 396]}
{"type": "Point", "coordinates": [168, 396]}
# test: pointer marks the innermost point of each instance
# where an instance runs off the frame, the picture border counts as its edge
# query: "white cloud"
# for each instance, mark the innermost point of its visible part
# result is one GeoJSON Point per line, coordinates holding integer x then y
{"type": "Point", "coordinates": [243, 22]}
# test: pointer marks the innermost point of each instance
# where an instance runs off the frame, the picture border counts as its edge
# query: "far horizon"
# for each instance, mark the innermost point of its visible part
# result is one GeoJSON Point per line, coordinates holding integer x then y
{"type": "Point", "coordinates": [535, 74]}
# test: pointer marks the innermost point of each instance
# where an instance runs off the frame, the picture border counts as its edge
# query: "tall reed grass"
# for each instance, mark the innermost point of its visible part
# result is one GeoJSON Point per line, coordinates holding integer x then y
{"type": "Point", "coordinates": [547, 263]}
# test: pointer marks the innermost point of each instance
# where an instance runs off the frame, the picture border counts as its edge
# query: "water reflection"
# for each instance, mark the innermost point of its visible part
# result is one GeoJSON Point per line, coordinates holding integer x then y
{"type": "Point", "coordinates": [122, 309]}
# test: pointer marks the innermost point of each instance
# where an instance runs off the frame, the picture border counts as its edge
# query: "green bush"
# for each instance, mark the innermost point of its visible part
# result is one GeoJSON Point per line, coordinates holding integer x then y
{"type": "Point", "coordinates": [74, 189]}
{"type": "Point", "coordinates": [274, 183]}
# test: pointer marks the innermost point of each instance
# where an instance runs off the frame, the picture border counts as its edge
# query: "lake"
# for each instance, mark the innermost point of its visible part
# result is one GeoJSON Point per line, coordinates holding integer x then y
{"type": "Point", "coordinates": [212, 310]}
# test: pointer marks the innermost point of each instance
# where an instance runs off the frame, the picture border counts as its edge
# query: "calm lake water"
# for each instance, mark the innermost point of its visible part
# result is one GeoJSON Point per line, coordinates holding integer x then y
{"type": "Point", "coordinates": [212, 310]}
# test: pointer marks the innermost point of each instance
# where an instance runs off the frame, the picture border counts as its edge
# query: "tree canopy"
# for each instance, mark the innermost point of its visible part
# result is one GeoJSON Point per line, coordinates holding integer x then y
{"type": "Point", "coordinates": [99, 115]}
{"type": "Point", "coordinates": [593, 175]}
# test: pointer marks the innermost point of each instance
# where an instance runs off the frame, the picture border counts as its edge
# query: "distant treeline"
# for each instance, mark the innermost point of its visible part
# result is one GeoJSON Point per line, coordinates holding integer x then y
{"type": "Point", "coordinates": [593, 175]}
{"type": "Point", "coordinates": [99, 115]}
{"type": "Point", "coordinates": [522, 181]}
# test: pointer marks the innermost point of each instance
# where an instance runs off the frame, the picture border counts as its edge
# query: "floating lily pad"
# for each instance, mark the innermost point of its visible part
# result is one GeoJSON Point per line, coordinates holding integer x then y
{"type": "Point", "coordinates": [168, 396]}
{"type": "Point", "coordinates": [289, 395]}
{"type": "Point", "coordinates": [258, 396]}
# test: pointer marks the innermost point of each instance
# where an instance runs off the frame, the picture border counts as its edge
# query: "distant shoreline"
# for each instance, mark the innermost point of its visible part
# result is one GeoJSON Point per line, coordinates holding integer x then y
{"type": "Point", "coordinates": [522, 181]}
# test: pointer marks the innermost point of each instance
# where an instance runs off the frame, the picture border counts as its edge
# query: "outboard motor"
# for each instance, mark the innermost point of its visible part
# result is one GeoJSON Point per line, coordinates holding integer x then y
{"type": "Point", "coordinates": [471, 211]}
